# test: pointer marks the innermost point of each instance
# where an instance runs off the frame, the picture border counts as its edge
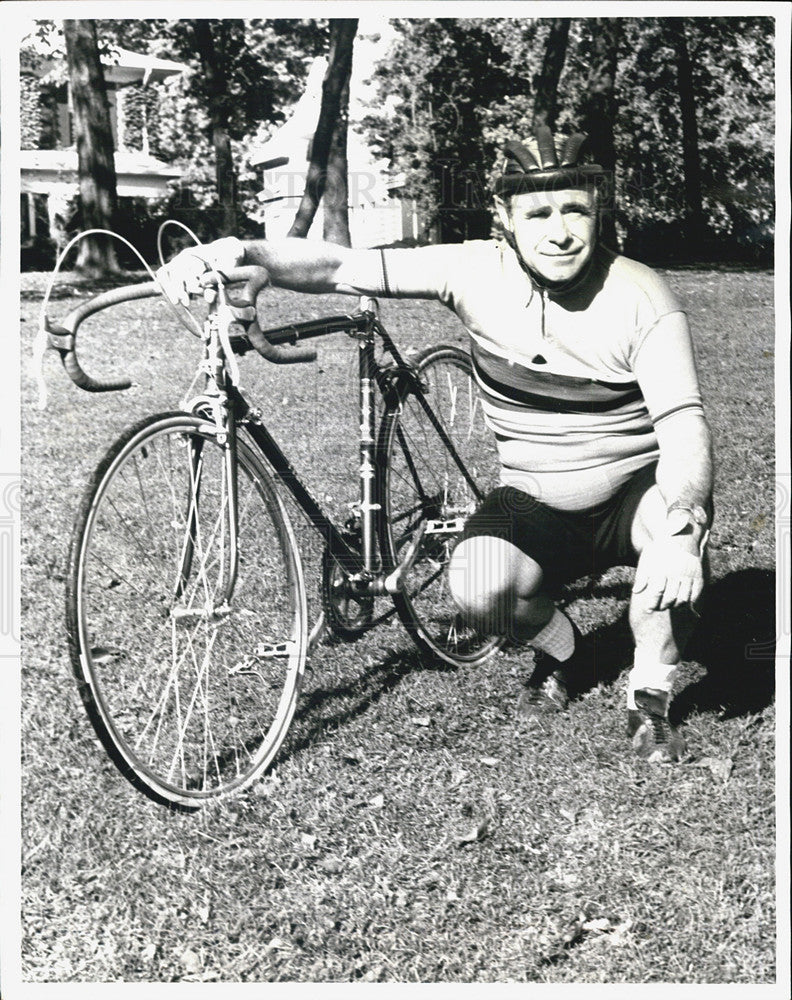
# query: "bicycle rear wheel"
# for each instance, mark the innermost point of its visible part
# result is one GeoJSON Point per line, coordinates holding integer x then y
{"type": "Point", "coordinates": [422, 483]}
{"type": "Point", "coordinates": [190, 677]}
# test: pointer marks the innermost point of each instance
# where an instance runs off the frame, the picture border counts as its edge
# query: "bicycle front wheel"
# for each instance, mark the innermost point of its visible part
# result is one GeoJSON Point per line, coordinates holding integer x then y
{"type": "Point", "coordinates": [438, 459]}
{"type": "Point", "coordinates": [189, 661]}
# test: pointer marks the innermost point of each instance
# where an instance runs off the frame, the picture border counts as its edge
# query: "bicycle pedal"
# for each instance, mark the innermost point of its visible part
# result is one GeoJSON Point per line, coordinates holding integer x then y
{"type": "Point", "coordinates": [273, 650]}
{"type": "Point", "coordinates": [451, 527]}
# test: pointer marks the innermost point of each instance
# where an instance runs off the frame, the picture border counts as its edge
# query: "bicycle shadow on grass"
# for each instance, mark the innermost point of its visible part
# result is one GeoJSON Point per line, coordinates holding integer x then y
{"type": "Point", "coordinates": [331, 706]}
{"type": "Point", "coordinates": [734, 641]}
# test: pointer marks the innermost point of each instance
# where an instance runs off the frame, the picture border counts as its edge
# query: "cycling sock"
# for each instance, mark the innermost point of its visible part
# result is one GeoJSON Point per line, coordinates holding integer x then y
{"type": "Point", "coordinates": [649, 673]}
{"type": "Point", "coordinates": [557, 638]}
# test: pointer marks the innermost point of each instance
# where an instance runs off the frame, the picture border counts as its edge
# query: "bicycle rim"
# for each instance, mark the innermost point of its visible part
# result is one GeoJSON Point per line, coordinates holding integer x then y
{"type": "Point", "coordinates": [422, 482]}
{"type": "Point", "coordinates": [190, 684]}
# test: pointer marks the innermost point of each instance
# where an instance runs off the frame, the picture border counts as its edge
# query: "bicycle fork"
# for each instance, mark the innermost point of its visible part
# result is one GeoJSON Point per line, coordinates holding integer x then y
{"type": "Point", "coordinates": [228, 563]}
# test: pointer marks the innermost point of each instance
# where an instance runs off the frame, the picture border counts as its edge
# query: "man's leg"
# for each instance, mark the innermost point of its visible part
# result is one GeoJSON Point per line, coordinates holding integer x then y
{"type": "Point", "coordinates": [660, 639]}
{"type": "Point", "coordinates": [499, 590]}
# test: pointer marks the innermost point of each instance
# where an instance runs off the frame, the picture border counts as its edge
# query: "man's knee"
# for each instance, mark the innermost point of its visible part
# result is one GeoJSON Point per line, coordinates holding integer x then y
{"type": "Point", "coordinates": [488, 575]}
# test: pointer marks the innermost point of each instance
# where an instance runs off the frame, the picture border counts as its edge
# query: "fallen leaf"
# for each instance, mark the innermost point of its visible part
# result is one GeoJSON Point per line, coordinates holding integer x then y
{"type": "Point", "coordinates": [478, 832]}
{"type": "Point", "coordinates": [601, 924]}
{"type": "Point", "coordinates": [203, 914]}
{"type": "Point", "coordinates": [721, 767]}
{"type": "Point", "coordinates": [190, 962]}
{"type": "Point", "coordinates": [619, 933]}
{"type": "Point", "coordinates": [331, 864]}
{"type": "Point", "coordinates": [377, 802]}
{"type": "Point", "coordinates": [569, 814]}
{"type": "Point", "coordinates": [308, 840]}
{"type": "Point", "coordinates": [276, 943]}
{"type": "Point", "coordinates": [148, 953]}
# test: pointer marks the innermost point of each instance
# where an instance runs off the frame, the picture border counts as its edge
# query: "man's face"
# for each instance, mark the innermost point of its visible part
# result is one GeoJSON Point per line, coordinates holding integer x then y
{"type": "Point", "coordinates": [554, 231]}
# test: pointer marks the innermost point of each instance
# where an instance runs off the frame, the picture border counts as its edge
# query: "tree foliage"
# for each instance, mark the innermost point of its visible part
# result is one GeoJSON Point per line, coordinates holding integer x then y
{"type": "Point", "coordinates": [682, 109]}
{"type": "Point", "coordinates": [262, 64]}
{"type": "Point", "coordinates": [451, 91]}
{"type": "Point", "coordinates": [435, 77]}
{"type": "Point", "coordinates": [244, 76]}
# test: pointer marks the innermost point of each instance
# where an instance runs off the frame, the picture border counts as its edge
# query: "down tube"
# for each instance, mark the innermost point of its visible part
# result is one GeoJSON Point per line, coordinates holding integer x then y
{"type": "Point", "coordinates": [339, 549]}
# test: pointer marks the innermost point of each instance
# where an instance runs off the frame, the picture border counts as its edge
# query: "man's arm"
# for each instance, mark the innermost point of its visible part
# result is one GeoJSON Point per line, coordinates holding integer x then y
{"type": "Point", "coordinates": [666, 372]}
{"type": "Point", "coordinates": [305, 266]}
{"type": "Point", "coordinates": [685, 469]}
{"type": "Point", "coordinates": [670, 569]}
{"type": "Point", "coordinates": [313, 266]}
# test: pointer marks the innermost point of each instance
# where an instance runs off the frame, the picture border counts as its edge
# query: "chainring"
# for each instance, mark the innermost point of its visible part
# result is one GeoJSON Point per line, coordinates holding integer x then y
{"type": "Point", "coordinates": [347, 614]}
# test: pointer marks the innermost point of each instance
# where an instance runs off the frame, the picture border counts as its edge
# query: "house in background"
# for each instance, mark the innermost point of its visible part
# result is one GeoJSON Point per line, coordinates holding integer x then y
{"type": "Point", "coordinates": [48, 165]}
{"type": "Point", "coordinates": [378, 216]}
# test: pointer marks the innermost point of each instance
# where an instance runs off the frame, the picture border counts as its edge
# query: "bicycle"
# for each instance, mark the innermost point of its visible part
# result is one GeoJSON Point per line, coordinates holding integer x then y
{"type": "Point", "coordinates": [185, 600]}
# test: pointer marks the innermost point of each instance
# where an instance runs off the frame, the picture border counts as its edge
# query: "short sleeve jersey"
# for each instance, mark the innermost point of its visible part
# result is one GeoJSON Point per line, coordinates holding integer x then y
{"type": "Point", "coordinates": [555, 372]}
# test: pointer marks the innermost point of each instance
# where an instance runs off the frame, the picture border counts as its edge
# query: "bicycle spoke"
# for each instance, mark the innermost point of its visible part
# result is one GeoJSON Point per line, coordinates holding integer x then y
{"type": "Point", "coordinates": [439, 455]}
{"type": "Point", "coordinates": [176, 703]}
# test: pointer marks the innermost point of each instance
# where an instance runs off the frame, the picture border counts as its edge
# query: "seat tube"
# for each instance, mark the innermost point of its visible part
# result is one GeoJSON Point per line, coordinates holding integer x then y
{"type": "Point", "coordinates": [369, 508]}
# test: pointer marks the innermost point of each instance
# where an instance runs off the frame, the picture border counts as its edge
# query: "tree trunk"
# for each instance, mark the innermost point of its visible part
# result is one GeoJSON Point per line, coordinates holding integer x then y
{"type": "Point", "coordinates": [336, 81]}
{"type": "Point", "coordinates": [94, 139]}
{"type": "Point", "coordinates": [212, 64]}
{"type": "Point", "coordinates": [546, 84]}
{"type": "Point", "coordinates": [336, 193]}
{"type": "Point", "coordinates": [691, 162]}
{"type": "Point", "coordinates": [600, 112]}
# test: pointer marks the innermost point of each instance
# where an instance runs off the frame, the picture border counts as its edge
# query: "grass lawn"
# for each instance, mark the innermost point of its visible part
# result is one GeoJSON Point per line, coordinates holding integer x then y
{"type": "Point", "coordinates": [411, 829]}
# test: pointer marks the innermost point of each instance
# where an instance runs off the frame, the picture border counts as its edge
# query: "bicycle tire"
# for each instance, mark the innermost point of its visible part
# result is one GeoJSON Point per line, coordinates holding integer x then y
{"type": "Point", "coordinates": [420, 480]}
{"type": "Point", "coordinates": [191, 699]}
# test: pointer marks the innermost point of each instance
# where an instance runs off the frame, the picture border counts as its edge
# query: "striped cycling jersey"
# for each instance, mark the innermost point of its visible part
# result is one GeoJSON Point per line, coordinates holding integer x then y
{"type": "Point", "coordinates": [556, 372]}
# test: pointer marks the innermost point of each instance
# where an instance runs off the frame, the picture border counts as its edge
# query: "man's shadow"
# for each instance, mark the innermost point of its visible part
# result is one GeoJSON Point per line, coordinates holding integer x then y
{"type": "Point", "coordinates": [734, 641]}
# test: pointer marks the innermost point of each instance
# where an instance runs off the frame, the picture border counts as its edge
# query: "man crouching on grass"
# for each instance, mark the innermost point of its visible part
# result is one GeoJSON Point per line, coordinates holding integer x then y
{"type": "Point", "coordinates": [585, 366]}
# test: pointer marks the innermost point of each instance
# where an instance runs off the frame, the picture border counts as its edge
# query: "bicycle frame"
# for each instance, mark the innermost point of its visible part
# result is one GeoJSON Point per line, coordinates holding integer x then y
{"type": "Point", "coordinates": [363, 567]}
{"type": "Point", "coordinates": [231, 410]}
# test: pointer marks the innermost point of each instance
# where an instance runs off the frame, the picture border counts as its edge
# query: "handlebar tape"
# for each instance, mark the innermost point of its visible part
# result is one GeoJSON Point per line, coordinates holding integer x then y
{"type": "Point", "coordinates": [63, 338]}
{"type": "Point", "coordinates": [255, 279]}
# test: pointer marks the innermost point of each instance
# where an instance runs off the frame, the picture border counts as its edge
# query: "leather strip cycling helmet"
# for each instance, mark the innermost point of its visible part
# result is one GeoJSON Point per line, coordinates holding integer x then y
{"type": "Point", "coordinates": [544, 162]}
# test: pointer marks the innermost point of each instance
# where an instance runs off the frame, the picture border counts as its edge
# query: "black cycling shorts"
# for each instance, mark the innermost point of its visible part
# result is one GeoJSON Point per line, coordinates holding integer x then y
{"type": "Point", "coordinates": [566, 544]}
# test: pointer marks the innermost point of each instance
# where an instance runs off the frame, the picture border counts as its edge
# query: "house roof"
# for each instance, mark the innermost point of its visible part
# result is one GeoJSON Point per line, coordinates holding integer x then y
{"type": "Point", "coordinates": [291, 139]}
{"type": "Point", "coordinates": [121, 66]}
{"type": "Point", "coordinates": [284, 155]}
{"type": "Point", "coordinates": [137, 174]}
{"type": "Point", "coordinates": [124, 66]}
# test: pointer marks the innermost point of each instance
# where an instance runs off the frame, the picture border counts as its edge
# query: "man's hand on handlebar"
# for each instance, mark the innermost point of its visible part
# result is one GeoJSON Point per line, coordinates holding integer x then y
{"type": "Point", "coordinates": [181, 277]}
